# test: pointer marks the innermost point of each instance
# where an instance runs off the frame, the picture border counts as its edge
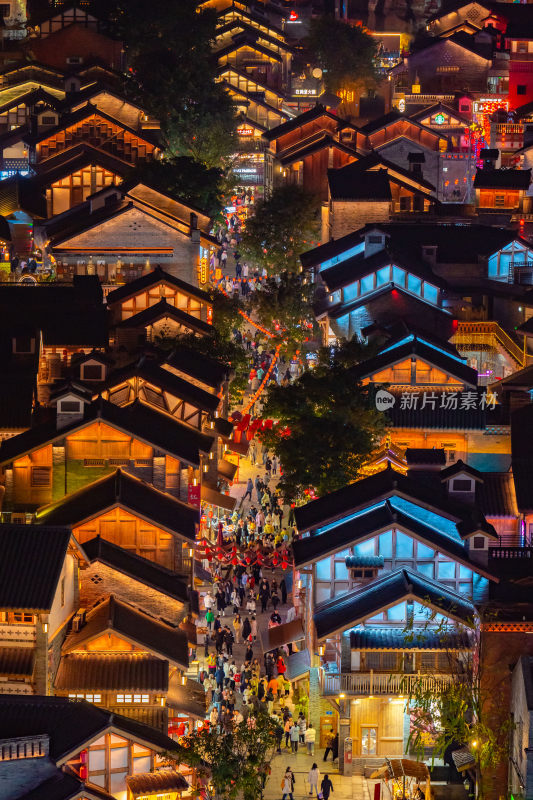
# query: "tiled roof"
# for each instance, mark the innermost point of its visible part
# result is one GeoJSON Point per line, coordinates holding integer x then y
{"type": "Point", "coordinates": [31, 560]}
{"type": "Point", "coordinates": [151, 279]}
{"type": "Point", "coordinates": [313, 548]}
{"type": "Point", "coordinates": [71, 724]}
{"type": "Point", "coordinates": [298, 664]}
{"type": "Point", "coordinates": [126, 491]}
{"type": "Point", "coordinates": [188, 699]}
{"type": "Point", "coordinates": [17, 662]}
{"type": "Point", "coordinates": [136, 567]}
{"type": "Point", "coordinates": [378, 487]}
{"type": "Point", "coordinates": [163, 309]}
{"type": "Point", "coordinates": [397, 639]}
{"type": "Point", "coordinates": [496, 496]}
{"type": "Point", "coordinates": [458, 467]}
{"type": "Point", "coordinates": [164, 780]}
{"type": "Point", "coordinates": [439, 417]}
{"type": "Point", "coordinates": [351, 608]}
{"type": "Point", "coordinates": [151, 372]}
{"type": "Point", "coordinates": [302, 119]}
{"type": "Point", "coordinates": [502, 179]}
{"type": "Point", "coordinates": [359, 185]}
{"type": "Point", "coordinates": [425, 455]}
{"type": "Point", "coordinates": [416, 346]}
{"type": "Point", "coordinates": [136, 626]}
{"type": "Point", "coordinates": [198, 366]}
{"type": "Point", "coordinates": [65, 786]}
{"type": "Point", "coordinates": [125, 672]}
{"type": "Point", "coordinates": [137, 419]}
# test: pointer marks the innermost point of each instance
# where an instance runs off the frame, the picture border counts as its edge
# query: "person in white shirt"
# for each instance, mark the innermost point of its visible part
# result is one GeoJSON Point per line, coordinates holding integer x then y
{"type": "Point", "coordinates": [313, 776]}
{"type": "Point", "coordinates": [310, 738]}
{"type": "Point", "coordinates": [209, 601]}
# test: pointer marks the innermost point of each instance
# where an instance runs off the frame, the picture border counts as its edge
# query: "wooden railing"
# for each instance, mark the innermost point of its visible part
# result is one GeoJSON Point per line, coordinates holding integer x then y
{"type": "Point", "coordinates": [9, 634]}
{"type": "Point", "coordinates": [507, 553]}
{"type": "Point", "coordinates": [487, 333]}
{"type": "Point", "coordinates": [369, 683]}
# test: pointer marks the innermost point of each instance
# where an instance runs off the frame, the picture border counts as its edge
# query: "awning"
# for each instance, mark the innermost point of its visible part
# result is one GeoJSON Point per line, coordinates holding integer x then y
{"type": "Point", "coordinates": [122, 672]}
{"type": "Point", "coordinates": [156, 783]}
{"type": "Point", "coordinates": [298, 664]}
{"type": "Point", "coordinates": [226, 469]}
{"type": "Point", "coordinates": [216, 498]}
{"type": "Point", "coordinates": [239, 447]}
{"type": "Point", "coordinates": [397, 767]}
{"type": "Point", "coordinates": [188, 699]}
{"type": "Point", "coordinates": [279, 635]}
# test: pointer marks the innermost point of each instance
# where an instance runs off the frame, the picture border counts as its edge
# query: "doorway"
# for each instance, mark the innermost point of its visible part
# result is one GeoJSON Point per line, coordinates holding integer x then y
{"type": "Point", "coordinates": [369, 741]}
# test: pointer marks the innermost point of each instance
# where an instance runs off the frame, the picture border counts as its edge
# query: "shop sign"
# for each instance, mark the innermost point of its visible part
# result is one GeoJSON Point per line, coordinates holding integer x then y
{"type": "Point", "coordinates": [193, 495]}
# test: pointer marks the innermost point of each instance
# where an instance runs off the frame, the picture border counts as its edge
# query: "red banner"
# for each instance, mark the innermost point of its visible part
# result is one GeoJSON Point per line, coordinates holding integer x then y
{"type": "Point", "coordinates": [194, 495]}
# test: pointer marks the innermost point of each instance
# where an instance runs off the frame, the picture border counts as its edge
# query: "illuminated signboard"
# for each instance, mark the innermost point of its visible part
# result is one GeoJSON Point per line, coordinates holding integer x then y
{"type": "Point", "coordinates": [311, 92]}
{"type": "Point", "coordinates": [245, 131]}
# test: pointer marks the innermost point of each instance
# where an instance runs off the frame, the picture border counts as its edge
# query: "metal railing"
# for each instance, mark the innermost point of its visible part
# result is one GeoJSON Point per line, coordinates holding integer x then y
{"type": "Point", "coordinates": [371, 683]}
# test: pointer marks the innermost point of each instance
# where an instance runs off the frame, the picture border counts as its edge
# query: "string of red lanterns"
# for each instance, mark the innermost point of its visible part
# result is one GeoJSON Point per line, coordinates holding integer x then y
{"type": "Point", "coordinates": [247, 558]}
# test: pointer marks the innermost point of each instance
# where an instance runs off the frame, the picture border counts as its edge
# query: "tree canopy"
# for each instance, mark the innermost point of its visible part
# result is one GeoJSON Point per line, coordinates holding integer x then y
{"type": "Point", "coordinates": [233, 761]}
{"type": "Point", "coordinates": [327, 427]}
{"type": "Point", "coordinates": [172, 71]}
{"type": "Point", "coordinates": [282, 227]}
{"type": "Point", "coordinates": [345, 53]}
{"type": "Point", "coordinates": [283, 305]}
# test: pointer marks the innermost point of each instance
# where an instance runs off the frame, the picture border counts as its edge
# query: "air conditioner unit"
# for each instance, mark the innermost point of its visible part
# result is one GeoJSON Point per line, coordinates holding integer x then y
{"type": "Point", "coordinates": [78, 620]}
{"type": "Point", "coordinates": [74, 60]}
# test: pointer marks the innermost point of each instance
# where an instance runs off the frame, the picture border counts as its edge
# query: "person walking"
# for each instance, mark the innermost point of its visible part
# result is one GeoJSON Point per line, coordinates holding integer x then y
{"type": "Point", "coordinates": [246, 629]}
{"type": "Point", "coordinates": [295, 735]}
{"type": "Point", "coordinates": [287, 729]}
{"type": "Point", "coordinates": [332, 746]}
{"type": "Point", "coordinates": [209, 618]}
{"type": "Point", "coordinates": [283, 590]}
{"type": "Point", "coordinates": [287, 784]}
{"type": "Point", "coordinates": [249, 489]}
{"type": "Point", "coordinates": [310, 737]}
{"type": "Point", "coordinates": [326, 787]}
{"type": "Point", "coordinates": [313, 777]}
{"type": "Point", "coordinates": [237, 628]}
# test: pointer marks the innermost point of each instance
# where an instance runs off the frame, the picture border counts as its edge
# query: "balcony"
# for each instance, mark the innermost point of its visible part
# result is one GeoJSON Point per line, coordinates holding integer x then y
{"type": "Point", "coordinates": [379, 683]}
{"type": "Point", "coordinates": [17, 634]}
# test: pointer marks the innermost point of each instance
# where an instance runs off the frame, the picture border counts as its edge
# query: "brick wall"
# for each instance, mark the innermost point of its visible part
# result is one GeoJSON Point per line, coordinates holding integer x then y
{"type": "Point", "coordinates": [126, 588]}
{"type": "Point", "coordinates": [348, 216]}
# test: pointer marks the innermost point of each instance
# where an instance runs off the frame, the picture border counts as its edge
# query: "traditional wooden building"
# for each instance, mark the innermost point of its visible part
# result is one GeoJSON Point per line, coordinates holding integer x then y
{"type": "Point", "coordinates": [131, 514]}
{"type": "Point", "coordinates": [45, 463]}
{"type": "Point", "coordinates": [120, 233]}
{"type": "Point", "coordinates": [35, 612]}
{"type": "Point", "coordinates": [385, 564]}
{"type": "Point", "coordinates": [503, 190]}
{"type": "Point", "coordinates": [55, 745]}
{"type": "Point", "coordinates": [125, 660]}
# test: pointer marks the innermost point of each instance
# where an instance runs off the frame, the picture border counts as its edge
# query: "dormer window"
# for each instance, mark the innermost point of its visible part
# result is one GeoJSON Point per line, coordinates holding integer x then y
{"type": "Point", "coordinates": [375, 239]}
{"type": "Point", "coordinates": [23, 344]}
{"type": "Point", "coordinates": [69, 406]}
{"type": "Point", "coordinates": [462, 485]}
{"type": "Point", "coordinates": [478, 543]}
{"type": "Point", "coordinates": [92, 372]}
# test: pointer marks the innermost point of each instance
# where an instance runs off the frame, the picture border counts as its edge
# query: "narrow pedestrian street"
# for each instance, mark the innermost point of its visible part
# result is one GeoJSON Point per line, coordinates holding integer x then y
{"type": "Point", "coordinates": [344, 787]}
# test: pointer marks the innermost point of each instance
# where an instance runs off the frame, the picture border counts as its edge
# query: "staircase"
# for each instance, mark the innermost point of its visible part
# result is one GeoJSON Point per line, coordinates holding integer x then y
{"type": "Point", "coordinates": [473, 335]}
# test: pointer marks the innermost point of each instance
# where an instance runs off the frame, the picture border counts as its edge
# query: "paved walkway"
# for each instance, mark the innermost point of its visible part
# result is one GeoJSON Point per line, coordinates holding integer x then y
{"type": "Point", "coordinates": [344, 788]}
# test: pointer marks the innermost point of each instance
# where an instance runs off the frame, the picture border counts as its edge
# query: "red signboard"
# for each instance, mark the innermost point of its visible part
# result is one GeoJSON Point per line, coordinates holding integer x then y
{"type": "Point", "coordinates": [193, 494]}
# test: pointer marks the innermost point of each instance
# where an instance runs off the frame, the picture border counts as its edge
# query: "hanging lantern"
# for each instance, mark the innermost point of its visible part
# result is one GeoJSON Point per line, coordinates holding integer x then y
{"type": "Point", "coordinates": [234, 561]}
{"type": "Point", "coordinates": [284, 565]}
{"type": "Point", "coordinates": [275, 560]}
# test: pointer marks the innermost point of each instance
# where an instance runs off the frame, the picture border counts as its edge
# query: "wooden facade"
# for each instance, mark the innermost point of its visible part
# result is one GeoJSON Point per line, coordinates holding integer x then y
{"type": "Point", "coordinates": [179, 298]}
{"type": "Point", "coordinates": [76, 187]}
{"type": "Point", "coordinates": [137, 535]}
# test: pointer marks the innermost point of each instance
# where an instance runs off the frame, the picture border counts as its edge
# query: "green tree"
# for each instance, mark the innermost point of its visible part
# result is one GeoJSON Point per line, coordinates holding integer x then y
{"type": "Point", "coordinates": [345, 53]}
{"type": "Point", "coordinates": [232, 762]}
{"type": "Point", "coordinates": [172, 72]}
{"type": "Point", "coordinates": [463, 708]}
{"type": "Point", "coordinates": [283, 305]}
{"type": "Point", "coordinates": [282, 227]}
{"type": "Point", "coordinates": [327, 425]}
{"type": "Point", "coordinates": [185, 179]}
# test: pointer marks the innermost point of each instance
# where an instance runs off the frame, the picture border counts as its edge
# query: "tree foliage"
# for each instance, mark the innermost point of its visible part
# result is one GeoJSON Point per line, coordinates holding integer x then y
{"type": "Point", "coordinates": [327, 424]}
{"type": "Point", "coordinates": [463, 712]}
{"type": "Point", "coordinates": [172, 71]}
{"type": "Point", "coordinates": [283, 305]}
{"type": "Point", "coordinates": [232, 761]}
{"type": "Point", "coordinates": [346, 54]}
{"type": "Point", "coordinates": [282, 227]}
{"type": "Point", "coordinates": [185, 179]}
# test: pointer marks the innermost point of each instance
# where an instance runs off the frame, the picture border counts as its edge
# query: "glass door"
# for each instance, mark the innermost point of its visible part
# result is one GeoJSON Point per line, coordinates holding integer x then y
{"type": "Point", "coordinates": [369, 741]}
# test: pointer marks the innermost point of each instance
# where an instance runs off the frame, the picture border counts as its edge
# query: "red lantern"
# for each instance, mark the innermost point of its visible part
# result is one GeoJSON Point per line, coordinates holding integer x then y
{"type": "Point", "coordinates": [275, 560]}
{"type": "Point", "coordinates": [234, 561]}
{"type": "Point", "coordinates": [284, 565]}
{"type": "Point", "coordinates": [248, 560]}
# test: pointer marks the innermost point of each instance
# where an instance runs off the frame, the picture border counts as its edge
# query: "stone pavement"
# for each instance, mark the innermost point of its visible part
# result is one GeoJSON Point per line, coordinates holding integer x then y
{"type": "Point", "coordinates": [344, 787]}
